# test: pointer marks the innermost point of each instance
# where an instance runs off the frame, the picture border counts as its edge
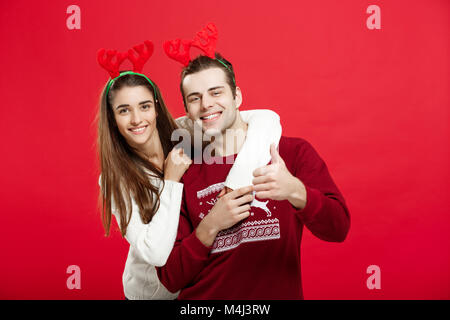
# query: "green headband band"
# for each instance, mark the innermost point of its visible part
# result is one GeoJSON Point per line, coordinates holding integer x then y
{"type": "Point", "coordinates": [225, 65]}
{"type": "Point", "coordinates": [130, 72]}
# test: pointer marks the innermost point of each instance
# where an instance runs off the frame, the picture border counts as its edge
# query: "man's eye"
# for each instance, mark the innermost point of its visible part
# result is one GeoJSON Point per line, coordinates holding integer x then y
{"type": "Point", "coordinates": [194, 99]}
{"type": "Point", "coordinates": [216, 93]}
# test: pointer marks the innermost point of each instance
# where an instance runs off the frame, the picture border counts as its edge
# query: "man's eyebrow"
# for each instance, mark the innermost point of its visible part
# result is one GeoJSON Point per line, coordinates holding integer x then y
{"type": "Point", "coordinates": [127, 105]}
{"type": "Point", "coordinates": [192, 94]}
{"type": "Point", "coordinates": [210, 89]}
{"type": "Point", "coordinates": [214, 88]}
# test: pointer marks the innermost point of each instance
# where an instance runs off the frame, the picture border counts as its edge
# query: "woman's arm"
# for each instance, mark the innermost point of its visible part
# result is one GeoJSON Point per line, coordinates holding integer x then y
{"type": "Point", "coordinates": [264, 128]}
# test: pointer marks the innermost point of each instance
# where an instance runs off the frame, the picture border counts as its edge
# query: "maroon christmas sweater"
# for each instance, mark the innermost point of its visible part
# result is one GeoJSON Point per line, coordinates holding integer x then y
{"type": "Point", "coordinates": [258, 258]}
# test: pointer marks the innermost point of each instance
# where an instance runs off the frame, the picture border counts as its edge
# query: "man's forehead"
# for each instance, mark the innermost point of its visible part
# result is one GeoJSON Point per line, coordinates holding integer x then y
{"type": "Point", "coordinates": [204, 80]}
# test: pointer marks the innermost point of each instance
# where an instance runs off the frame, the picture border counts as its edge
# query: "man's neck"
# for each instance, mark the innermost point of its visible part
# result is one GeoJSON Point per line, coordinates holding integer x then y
{"type": "Point", "coordinates": [231, 140]}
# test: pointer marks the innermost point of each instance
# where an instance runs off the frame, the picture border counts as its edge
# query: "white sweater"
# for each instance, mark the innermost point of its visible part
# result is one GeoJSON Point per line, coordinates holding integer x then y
{"type": "Point", "coordinates": [151, 244]}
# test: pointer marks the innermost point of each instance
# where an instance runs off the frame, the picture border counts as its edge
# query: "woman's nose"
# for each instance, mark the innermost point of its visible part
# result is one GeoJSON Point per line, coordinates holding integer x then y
{"type": "Point", "coordinates": [135, 117]}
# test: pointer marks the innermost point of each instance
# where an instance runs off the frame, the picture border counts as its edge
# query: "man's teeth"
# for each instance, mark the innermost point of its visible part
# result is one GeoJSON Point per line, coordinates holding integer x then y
{"type": "Point", "coordinates": [138, 129]}
{"type": "Point", "coordinates": [210, 116]}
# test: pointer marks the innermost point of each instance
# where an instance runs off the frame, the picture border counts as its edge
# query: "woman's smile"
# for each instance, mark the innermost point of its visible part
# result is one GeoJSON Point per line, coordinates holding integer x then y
{"type": "Point", "coordinates": [138, 130]}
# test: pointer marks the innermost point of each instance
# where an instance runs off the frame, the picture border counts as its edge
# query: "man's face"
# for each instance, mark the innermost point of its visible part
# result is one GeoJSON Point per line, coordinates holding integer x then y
{"type": "Point", "coordinates": [209, 100]}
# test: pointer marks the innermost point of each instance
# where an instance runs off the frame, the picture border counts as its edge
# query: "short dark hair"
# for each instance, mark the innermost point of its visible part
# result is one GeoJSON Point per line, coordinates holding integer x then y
{"type": "Point", "coordinates": [204, 62]}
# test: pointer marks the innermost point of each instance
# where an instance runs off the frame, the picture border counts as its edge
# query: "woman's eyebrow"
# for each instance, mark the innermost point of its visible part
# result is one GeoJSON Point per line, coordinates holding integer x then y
{"type": "Point", "coordinates": [127, 105]}
{"type": "Point", "coordinates": [146, 101]}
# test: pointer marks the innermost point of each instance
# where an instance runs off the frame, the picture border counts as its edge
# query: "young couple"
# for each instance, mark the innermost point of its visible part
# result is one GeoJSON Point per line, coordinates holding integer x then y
{"type": "Point", "coordinates": [226, 227]}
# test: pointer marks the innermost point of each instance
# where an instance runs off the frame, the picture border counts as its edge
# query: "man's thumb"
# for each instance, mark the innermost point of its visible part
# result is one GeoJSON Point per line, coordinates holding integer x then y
{"type": "Point", "coordinates": [274, 154]}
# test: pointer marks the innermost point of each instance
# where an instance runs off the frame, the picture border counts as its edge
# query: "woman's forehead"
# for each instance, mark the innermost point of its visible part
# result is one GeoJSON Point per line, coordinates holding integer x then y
{"type": "Point", "coordinates": [132, 95]}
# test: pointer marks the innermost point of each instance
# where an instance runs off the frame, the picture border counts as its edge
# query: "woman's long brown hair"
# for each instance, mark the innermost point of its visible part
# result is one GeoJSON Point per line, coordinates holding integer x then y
{"type": "Point", "coordinates": [123, 170]}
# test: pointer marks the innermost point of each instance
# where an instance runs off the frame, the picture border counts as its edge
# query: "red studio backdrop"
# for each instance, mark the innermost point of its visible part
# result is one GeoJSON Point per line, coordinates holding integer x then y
{"type": "Point", "coordinates": [366, 82]}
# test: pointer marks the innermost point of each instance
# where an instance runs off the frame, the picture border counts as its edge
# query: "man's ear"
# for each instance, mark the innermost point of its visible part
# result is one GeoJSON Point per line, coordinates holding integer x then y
{"type": "Point", "coordinates": [238, 97]}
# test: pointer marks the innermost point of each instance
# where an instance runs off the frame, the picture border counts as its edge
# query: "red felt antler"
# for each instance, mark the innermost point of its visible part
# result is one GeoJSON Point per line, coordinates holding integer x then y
{"type": "Point", "coordinates": [205, 40]}
{"type": "Point", "coordinates": [178, 50]}
{"type": "Point", "coordinates": [108, 64]}
{"type": "Point", "coordinates": [143, 55]}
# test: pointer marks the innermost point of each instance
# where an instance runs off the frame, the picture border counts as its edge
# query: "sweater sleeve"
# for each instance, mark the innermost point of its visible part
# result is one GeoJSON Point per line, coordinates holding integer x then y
{"type": "Point", "coordinates": [154, 241]}
{"type": "Point", "coordinates": [264, 128]}
{"type": "Point", "coordinates": [326, 214]}
{"type": "Point", "coordinates": [187, 259]}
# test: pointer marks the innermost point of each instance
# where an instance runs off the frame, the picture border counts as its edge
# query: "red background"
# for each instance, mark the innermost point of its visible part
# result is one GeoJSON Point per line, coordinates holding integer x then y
{"type": "Point", "coordinates": [374, 103]}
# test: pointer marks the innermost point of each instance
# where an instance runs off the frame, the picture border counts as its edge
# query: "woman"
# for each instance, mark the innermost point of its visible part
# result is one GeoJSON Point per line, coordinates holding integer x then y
{"type": "Point", "coordinates": [140, 174]}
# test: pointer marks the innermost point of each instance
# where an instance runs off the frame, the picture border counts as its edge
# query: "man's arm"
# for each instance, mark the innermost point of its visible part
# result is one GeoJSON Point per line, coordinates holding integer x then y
{"type": "Point", "coordinates": [325, 212]}
{"type": "Point", "coordinates": [310, 189]}
{"type": "Point", "coordinates": [191, 249]}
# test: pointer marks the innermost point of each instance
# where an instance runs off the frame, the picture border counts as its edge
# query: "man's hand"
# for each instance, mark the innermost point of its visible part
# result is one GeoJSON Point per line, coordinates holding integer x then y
{"type": "Point", "coordinates": [224, 191]}
{"type": "Point", "coordinates": [226, 212]}
{"type": "Point", "coordinates": [275, 182]}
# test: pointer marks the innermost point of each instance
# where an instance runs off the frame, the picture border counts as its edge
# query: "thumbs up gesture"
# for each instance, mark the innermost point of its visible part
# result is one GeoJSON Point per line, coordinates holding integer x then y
{"type": "Point", "coordinates": [274, 181]}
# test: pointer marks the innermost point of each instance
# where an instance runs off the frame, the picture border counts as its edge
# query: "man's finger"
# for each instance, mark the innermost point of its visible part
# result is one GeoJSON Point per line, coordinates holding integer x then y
{"type": "Point", "coordinates": [224, 191]}
{"type": "Point", "coordinates": [240, 192]}
{"type": "Point", "coordinates": [242, 209]}
{"type": "Point", "coordinates": [263, 187]}
{"type": "Point", "coordinates": [262, 170]}
{"type": "Point", "coordinates": [261, 179]}
{"type": "Point", "coordinates": [274, 154]}
{"type": "Point", "coordinates": [263, 194]}
{"type": "Point", "coordinates": [243, 215]}
{"type": "Point", "coordinates": [243, 200]}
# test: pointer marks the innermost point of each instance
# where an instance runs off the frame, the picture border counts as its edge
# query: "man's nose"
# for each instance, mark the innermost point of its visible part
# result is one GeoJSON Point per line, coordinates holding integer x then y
{"type": "Point", "coordinates": [207, 102]}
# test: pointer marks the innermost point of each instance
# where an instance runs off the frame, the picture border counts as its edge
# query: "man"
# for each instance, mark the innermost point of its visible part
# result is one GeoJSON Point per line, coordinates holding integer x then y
{"type": "Point", "coordinates": [238, 245]}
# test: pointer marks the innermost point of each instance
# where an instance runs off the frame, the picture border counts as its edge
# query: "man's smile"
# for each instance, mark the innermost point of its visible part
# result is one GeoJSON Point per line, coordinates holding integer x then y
{"type": "Point", "coordinates": [211, 116]}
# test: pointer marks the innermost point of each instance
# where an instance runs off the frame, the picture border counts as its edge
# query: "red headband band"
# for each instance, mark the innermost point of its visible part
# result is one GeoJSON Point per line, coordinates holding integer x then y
{"type": "Point", "coordinates": [205, 40]}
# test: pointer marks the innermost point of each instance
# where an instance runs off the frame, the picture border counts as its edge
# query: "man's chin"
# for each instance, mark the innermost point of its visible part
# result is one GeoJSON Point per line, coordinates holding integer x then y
{"type": "Point", "coordinates": [210, 132]}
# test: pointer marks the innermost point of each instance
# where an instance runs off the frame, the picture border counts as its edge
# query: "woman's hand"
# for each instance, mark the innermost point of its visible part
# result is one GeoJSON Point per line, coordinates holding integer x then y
{"type": "Point", "coordinates": [176, 164]}
{"type": "Point", "coordinates": [227, 211]}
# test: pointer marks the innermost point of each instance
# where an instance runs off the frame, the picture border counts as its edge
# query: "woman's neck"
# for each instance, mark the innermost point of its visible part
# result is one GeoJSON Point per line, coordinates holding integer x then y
{"type": "Point", "coordinates": [153, 151]}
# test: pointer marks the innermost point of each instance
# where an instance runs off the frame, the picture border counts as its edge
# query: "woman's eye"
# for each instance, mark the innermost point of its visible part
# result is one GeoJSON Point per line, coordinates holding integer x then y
{"type": "Point", "coordinates": [216, 93]}
{"type": "Point", "coordinates": [123, 110]}
{"type": "Point", "coordinates": [146, 106]}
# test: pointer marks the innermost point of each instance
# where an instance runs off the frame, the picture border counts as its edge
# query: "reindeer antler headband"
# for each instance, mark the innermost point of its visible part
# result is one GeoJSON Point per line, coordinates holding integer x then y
{"type": "Point", "coordinates": [205, 40]}
{"type": "Point", "coordinates": [144, 53]}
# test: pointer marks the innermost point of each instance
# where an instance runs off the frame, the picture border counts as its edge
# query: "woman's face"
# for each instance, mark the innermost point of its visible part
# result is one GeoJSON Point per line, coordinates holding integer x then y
{"type": "Point", "coordinates": [134, 109]}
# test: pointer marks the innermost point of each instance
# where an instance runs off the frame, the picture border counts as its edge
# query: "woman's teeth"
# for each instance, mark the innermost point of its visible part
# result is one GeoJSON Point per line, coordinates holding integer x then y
{"type": "Point", "coordinates": [138, 130]}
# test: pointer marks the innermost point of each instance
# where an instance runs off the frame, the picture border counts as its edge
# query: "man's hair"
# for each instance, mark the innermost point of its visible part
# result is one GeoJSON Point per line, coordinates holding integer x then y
{"type": "Point", "coordinates": [204, 62]}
